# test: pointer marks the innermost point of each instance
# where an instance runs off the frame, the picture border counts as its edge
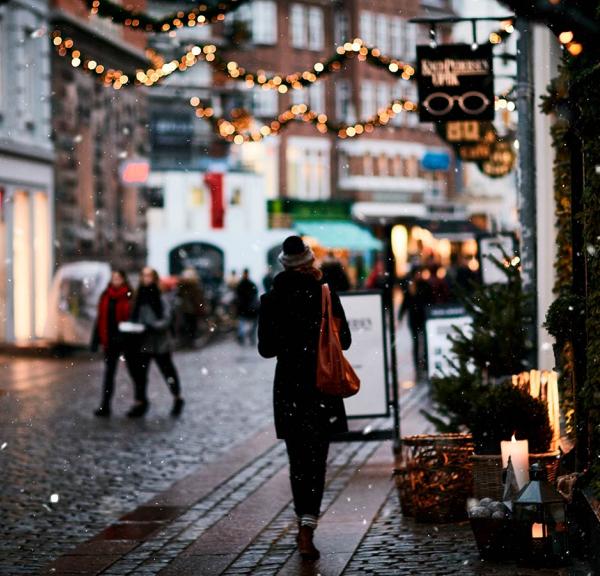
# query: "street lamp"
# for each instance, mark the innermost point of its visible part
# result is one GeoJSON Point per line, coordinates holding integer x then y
{"type": "Point", "coordinates": [540, 518]}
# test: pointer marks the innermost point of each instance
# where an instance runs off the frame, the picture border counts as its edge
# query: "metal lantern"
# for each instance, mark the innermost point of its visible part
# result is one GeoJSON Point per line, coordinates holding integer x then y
{"type": "Point", "coordinates": [540, 516]}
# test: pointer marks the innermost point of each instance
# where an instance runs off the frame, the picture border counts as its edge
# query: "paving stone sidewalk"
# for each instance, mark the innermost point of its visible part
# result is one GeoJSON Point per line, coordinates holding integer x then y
{"type": "Point", "coordinates": [50, 443]}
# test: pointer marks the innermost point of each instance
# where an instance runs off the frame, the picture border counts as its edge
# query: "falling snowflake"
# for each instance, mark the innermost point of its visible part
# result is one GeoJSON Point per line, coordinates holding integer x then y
{"type": "Point", "coordinates": [54, 498]}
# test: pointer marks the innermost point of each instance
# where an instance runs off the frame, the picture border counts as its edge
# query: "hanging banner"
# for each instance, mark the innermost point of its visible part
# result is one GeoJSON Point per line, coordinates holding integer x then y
{"type": "Point", "coordinates": [214, 180]}
{"type": "Point", "coordinates": [455, 82]}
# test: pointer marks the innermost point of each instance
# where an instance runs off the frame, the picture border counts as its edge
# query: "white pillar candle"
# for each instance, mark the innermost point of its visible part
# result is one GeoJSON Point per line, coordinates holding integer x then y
{"type": "Point", "coordinates": [518, 451]}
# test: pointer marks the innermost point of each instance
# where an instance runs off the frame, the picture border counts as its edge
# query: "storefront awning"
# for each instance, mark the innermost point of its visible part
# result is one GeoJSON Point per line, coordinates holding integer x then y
{"type": "Point", "coordinates": [342, 235]}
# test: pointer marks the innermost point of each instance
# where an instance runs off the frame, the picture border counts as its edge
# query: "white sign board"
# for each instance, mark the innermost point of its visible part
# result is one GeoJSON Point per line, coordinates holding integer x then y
{"type": "Point", "coordinates": [364, 312]}
{"type": "Point", "coordinates": [495, 246]}
{"type": "Point", "coordinates": [439, 346]}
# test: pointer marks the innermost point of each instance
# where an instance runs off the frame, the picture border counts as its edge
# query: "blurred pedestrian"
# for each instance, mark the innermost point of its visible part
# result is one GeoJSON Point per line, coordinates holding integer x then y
{"type": "Point", "coordinates": [114, 307]}
{"type": "Point", "coordinates": [418, 298]}
{"type": "Point", "coordinates": [247, 308]}
{"type": "Point", "coordinates": [268, 279]}
{"type": "Point", "coordinates": [155, 312]}
{"type": "Point", "coordinates": [289, 324]}
{"type": "Point", "coordinates": [190, 306]}
{"type": "Point", "coordinates": [334, 274]}
{"type": "Point", "coordinates": [377, 278]}
{"type": "Point", "coordinates": [440, 289]}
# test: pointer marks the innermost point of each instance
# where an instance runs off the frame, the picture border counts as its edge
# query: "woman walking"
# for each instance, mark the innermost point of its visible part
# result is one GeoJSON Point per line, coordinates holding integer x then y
{"type": "Point", "coordinates": [155, 312]}
{"type": "Point", "coordinates": [114, 307]}
{"type": "Point", "coordinates": [289, 325]}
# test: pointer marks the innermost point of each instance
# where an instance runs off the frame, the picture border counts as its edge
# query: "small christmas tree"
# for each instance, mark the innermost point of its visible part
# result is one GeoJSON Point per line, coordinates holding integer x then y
{"type": "Point", "coordinates": [476, 393]}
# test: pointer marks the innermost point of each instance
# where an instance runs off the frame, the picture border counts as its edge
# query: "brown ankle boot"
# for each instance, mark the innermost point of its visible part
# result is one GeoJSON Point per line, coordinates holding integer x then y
{"type": "Point", "coordinates": [306, 547]}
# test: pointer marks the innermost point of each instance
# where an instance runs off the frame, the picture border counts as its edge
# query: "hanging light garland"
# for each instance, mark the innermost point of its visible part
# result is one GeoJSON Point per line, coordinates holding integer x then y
{"type": "Point", "coordinates": [282, 83]}
{"type": "Point", "coordinates": [202, 14]}
{"type": "Point", "coordinates": [239, 128]}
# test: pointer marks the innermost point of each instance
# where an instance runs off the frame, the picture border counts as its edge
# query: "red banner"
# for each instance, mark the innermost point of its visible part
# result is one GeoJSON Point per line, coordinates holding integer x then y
{"type": "Point", "coordinates": [214, 181]}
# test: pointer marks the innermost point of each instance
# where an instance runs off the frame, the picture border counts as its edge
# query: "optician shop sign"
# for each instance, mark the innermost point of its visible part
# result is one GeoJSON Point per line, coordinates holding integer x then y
{"type": "Point", "coordinates": [455, 82]}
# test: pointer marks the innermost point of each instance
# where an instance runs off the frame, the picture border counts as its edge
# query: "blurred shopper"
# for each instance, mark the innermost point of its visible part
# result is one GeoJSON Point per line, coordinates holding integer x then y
{"type": "Point", "coordinates": [440, 290]}
{"type": "Point", "coordinates": [461, 278]}
{"type": "Point", "coordinates": [376, 280]}
{"type": "Point", "coordinates": [289, 324]}
{"type": "Point", "coordinates": [334, 274]}
{"type": "Point", "coordinates": [190, 307]}
{"type": "Point", "coordinates": [267, 281]}
{"type": "Point", "coordinates": [247, 305]}
{"type": "Point", "coordinates": [418, 297]}
{"type": "Point", "coordinates": [114, 307]}
{"type": "Point", "coordinates": [155, 312]}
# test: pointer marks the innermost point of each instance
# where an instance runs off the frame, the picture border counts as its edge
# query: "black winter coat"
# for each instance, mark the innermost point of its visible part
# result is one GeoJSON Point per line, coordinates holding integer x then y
{"type": "Point", "coordinates": [288, 328]}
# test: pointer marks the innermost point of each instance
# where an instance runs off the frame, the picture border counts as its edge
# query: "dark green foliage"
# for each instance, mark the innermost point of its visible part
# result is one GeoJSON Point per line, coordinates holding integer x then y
{"type": "Point", "coordinates": [505, 410]}
{"type": "Point", "coordinates": [497, 345]}
{"type": "Point", "coordinates": [476, 394]}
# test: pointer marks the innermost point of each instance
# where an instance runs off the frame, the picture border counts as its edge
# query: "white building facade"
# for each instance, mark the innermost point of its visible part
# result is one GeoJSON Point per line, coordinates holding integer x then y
{"type": "Point", "coordinates": [214, 229]}
{"type": "Point", "coordinates": [26, 171]}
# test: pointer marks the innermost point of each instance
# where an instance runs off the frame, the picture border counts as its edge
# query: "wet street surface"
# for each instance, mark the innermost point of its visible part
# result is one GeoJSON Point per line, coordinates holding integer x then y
{"type": "Point", "coordinates": [205, 494]}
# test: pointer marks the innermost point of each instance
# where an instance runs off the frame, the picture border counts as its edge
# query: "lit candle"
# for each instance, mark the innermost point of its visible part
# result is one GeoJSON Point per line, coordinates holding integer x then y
{"type": "Point", "coordinates": [537, 530]}
{"type": "Point", "coordinates": [518, 451]}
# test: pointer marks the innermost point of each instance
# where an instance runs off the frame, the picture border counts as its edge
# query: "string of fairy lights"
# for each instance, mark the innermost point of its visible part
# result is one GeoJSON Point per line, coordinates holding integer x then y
{"type": "Point", "coordinates": [209, 53]}
{"type": "Point", "coordinates": [203, 13]}
{"type": "Point", "coordinates": [240, 128]}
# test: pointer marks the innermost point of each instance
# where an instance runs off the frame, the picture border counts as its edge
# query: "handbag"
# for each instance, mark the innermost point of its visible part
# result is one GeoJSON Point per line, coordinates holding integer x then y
{"type": "Point", "coordinates": [335, 375]}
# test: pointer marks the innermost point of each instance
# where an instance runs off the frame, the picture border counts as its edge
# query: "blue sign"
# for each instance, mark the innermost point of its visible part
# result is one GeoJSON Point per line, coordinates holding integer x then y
{"type": "Point", "coordinates": [436, 161]}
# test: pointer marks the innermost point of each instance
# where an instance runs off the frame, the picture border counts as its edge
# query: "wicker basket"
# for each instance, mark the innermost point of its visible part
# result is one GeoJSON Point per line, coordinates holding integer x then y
{"type": "Point", "coordinates": [487, 472]}
{"type": "Point", "coordinates": [434, 478]}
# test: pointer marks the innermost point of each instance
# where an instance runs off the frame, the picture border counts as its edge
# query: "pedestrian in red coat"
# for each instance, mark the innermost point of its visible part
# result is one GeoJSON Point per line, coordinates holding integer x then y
{"type": "Point", "coordinates": [114, 307]}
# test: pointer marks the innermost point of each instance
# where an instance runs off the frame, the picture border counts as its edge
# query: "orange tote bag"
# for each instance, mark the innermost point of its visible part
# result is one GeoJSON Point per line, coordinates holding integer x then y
{"type": "Point", "coordinates": [335, 375]}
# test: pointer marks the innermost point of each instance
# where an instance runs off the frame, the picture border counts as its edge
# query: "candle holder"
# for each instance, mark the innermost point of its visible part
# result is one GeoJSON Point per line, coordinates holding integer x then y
{"type": "Point", "coordinates": [540, 517]}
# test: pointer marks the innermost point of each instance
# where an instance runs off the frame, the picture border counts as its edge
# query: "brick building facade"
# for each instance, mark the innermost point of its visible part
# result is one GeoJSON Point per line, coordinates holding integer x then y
{"type": "Point", "coordinates": [385, 165]}
{"type": "Point", "coordinates": [96, 129]}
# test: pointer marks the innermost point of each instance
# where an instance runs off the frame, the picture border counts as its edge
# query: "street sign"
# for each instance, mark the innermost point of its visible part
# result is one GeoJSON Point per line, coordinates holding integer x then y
{"type": "Point", "coordinates": [455, 82]}
{"type": "Point", "coordinates": [439, 326]}
{"type": "Point", "coordinates": [368, 354]}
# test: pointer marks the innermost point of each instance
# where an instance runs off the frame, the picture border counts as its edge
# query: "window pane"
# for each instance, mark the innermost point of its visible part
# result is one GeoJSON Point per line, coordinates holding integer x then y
{"type": "Point", "coordinates": [298, 23]}
{"type": "Point", "coordinates": [366, 27]}
{"type": "Point", "coordinates": [383, 33]}
{"type": "Point", "coordinates": [315, 28]}
{"type": "Point", "coordinates": [367, 99]}
{"type": "Point", "coordinates": [264, 22]}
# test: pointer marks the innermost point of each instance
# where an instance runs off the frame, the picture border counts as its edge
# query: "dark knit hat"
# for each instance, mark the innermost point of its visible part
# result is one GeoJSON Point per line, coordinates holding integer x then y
{"type": "Point", "coordinates": [295, 253]}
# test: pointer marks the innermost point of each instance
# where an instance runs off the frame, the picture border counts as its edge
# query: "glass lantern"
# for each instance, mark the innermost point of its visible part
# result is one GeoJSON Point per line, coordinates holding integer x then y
{"type": "Point", "coordinates": [540, 516]}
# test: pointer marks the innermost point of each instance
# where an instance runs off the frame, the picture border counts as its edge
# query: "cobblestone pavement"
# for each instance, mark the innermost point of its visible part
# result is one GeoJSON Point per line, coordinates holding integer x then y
{"type": "Point", "coordinates": [398, 546]}
{"type": "Point", "coordinates": [52, 444]}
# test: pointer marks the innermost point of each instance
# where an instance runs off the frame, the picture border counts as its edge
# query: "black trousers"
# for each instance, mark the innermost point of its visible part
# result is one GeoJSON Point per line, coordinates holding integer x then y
{"type": "Point", "coordinates": [166, 367]}
{"type": "Point", "coordinates": [112, 355]}
{"type": "Point", "coordinates": [308, 465]}
{"type": "Point", "coordinates": [419, 358]}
